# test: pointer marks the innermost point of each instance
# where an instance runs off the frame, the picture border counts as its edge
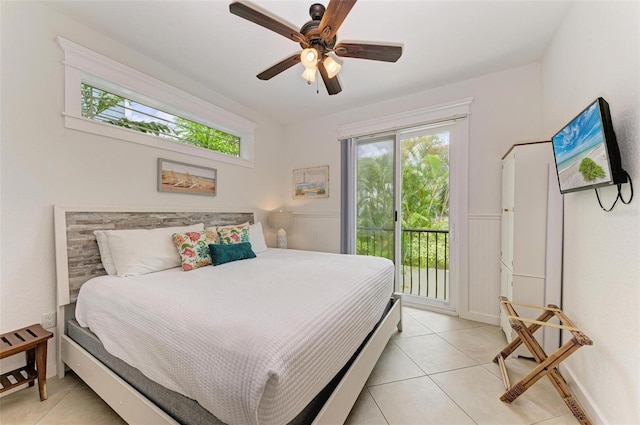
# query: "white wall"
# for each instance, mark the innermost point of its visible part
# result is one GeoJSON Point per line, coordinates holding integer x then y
{"type": "Point", "coordinates": [505, 110]}
{"type": "Point", "coordinates": [596, 52]}
{"type": "Point", "coordinates": [43, 163]}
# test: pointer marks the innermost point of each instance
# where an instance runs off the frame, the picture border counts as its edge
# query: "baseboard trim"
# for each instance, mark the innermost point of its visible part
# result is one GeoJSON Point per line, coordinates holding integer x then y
{"type": "Point", "coordinates": [587, 403]}
{"type": "Point", "coordinates": [480, 317]}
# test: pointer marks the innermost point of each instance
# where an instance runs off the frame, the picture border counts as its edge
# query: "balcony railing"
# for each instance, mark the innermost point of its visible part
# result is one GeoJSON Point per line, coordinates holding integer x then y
{"type": "Point", "coordinates": [424, 263]}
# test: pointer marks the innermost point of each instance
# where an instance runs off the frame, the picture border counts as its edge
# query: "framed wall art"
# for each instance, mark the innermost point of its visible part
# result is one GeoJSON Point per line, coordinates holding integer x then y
{"type": "Point", "coordinates": [180, 177]}
{"type": "Point", "coordinates": [309, 183]}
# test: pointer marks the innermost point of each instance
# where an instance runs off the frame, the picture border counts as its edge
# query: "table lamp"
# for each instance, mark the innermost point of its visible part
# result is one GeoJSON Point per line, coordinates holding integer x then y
{"type": "Point", "coordinates": [281, 220]}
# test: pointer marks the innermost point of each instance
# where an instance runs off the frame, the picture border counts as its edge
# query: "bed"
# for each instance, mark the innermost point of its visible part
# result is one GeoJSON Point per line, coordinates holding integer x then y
{"type": "Point", "coordinates": [299, 343]}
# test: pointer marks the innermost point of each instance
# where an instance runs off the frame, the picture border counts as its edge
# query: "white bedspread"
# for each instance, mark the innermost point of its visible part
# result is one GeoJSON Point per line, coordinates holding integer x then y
{"type": "Point", "coordinates": [252, 341]}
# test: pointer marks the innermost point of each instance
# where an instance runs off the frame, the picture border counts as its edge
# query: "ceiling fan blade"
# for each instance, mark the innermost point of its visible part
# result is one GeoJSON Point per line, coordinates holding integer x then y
{"type": "Point", "coordinates": [283, 65]}
{"type": "Point", "coordinates": [332, 84]}
{"type": "Point", "coordinates": [376, 52]}
{"type": "Point", "coordinates": [336, 12]}
{"type": "Point", "coordinates": [250, 13]}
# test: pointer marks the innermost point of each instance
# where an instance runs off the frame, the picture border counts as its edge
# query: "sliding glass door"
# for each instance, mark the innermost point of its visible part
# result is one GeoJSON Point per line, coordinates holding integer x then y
{"type": "Point", "coordinates": [402, 207]}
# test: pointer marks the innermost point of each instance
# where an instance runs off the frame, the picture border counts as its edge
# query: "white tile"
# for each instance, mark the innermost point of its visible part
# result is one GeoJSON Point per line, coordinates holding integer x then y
{"type": "Point", "coordinates": [24, 406]}
{"type": "Point", "coordinates": [442, 322]}
{"type": "Point", "coordinates": [82, 406]}
{"type": "Point", "coordinates": [481, 344]}
{"type": "Point", "coordinates": [393, 365]}
{"type": "Point", "coordinates": [567, 419]}
{"type": "Point", "coordinates": [410, 310]}
{"type": "Point", "coordinates": [477, 391]}
{"type": "Point", "coordinates": [433, 354]}
{"type": "Point", "coordinates": [411, 327]}
{"type": "Point", "coordinates": [365, 411]}
{"type": "Point", "coordinates": [417, 401]}
{"type": "Point", "coordinates": [71, 381]}
{"type": "Point", "coordinates": [542, 392]}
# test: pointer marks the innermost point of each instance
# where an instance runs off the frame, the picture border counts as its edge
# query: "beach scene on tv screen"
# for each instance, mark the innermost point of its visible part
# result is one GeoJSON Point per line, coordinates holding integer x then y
{"type": "Point", "coordinates": [581, 154]}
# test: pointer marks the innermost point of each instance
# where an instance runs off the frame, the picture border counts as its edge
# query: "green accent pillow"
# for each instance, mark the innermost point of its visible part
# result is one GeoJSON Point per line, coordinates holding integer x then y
{"type": "Point", "coordinates": [221, 254]}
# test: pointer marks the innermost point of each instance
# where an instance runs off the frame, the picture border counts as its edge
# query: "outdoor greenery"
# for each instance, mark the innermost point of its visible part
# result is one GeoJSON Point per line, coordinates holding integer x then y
{"type": "Point", "coordinates": [109, 108]}
{"type": "Point", "coordinates": [590, 170]}
{"type": "Point", "coordinates": [95, 101]}
{"type": "Point", "coordinates": [425, 202]}
{"type": "Point", "coordinates": [142, 126]}
{"type": "Point", "coordinates": [206, 137]}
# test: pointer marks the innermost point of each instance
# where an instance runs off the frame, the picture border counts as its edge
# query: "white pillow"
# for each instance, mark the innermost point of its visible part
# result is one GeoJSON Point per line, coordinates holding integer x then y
{"type": "Point", "coordinates": [256, 237]}
{"type": "Point", "coordinates": [141, 251]}
{"type": "Point", "coordinates": [105, 252]}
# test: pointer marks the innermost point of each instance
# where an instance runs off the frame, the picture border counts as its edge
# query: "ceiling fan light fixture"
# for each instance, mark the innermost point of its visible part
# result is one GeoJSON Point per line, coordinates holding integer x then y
{"type": "Point", "coordinates": [332, 66]}
{"type": "Point", "coordinates": [317, 37]}
{"type": "Point", "coordinates": [309, 58]}
{"type": "Point", "coordinates": [309, 74]}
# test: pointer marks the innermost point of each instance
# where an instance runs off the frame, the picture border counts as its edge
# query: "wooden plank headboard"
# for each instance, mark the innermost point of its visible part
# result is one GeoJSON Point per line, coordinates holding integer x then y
{"type": "Point", "coordinates": [77, 254]}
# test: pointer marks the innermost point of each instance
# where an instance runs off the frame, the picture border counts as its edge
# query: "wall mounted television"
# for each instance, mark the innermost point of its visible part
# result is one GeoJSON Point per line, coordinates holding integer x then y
{"type": "Point", "coordinates": [586, 151]}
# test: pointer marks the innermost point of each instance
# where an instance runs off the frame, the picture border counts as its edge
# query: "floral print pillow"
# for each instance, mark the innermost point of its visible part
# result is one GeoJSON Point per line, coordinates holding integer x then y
{"type": "Point", "coordinates": [233, 234]}
{"type": "Point", "coordinates": [193, 248]}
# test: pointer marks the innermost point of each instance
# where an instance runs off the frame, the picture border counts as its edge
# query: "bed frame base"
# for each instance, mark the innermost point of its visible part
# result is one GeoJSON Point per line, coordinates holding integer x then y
{"type": "Point", "coordinates": [127, 402]}
{"type": "Point", "coordinates": [135, 408]}
{"type": "Point", "coordinates": [341, 401]}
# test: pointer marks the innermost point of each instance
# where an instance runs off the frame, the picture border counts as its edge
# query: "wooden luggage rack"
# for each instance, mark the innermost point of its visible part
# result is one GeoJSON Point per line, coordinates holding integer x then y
{"type": "Point", "coordinates": [547, 365]}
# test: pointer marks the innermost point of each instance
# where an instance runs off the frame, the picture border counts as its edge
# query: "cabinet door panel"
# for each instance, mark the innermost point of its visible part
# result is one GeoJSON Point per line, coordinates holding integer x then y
{"type": "Point", "coordinates": [508, 180]}
{"type": "Point", "coordinates": [528, 290]}
{"type": "Point", "coordinates": [507, 223]}
{"type": "Point", "coordinates": [506, 291]}
{"type": "Point", "coordinates": [506, 234]}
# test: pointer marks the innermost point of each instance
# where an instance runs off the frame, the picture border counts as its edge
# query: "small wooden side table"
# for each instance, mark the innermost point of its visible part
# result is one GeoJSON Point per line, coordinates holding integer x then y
{"type": "Point", "coordinates": [33, 341]}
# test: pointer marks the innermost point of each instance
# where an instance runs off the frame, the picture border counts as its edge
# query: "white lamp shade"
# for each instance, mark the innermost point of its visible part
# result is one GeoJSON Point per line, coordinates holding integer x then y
{"type": "Point", "coordinates": [309, 58]}
{"type": "Point", "coordinates": [280, 219]}
{"type": "Point", "coordinates": [309, 74]}
{"type": "Point", "coordinates": [332, 66]}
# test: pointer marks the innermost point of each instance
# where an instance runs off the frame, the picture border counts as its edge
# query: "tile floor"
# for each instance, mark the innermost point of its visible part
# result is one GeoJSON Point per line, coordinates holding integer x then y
{"type": "Point", "coordinates": [438, 371]}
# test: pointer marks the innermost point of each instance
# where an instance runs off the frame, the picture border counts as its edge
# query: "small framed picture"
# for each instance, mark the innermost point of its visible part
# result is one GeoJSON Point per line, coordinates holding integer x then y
{"type": "Point", "coordinates": [180, 177]}
{"type": "Point", "coordinates": [309, 183]}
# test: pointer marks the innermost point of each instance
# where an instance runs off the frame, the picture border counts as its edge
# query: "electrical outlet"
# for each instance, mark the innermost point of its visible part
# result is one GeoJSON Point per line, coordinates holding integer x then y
{"type": "Point", "coordinates": [49, 320]}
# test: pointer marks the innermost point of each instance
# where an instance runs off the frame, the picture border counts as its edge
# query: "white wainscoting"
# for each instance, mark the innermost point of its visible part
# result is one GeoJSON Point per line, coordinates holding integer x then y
{"type": "Point", "coordinates": [315, 232]}
{"type": "Point", "coordinates": [484, 268]}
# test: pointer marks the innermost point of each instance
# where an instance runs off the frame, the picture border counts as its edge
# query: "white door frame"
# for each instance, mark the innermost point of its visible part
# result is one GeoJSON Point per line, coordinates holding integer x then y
{"type": "Point", "coordinates": [458, 185]}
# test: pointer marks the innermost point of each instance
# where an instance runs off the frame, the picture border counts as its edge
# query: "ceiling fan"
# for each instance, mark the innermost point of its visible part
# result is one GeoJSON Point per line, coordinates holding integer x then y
{"type": "Point", "coordinates": [317, 38]}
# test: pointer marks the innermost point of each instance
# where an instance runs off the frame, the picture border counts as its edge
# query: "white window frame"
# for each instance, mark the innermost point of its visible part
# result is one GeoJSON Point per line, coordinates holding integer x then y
{"type": "Point", "coordinates": [83, 65]}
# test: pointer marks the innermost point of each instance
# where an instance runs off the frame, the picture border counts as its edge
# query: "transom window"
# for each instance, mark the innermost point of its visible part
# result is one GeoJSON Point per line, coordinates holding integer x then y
{"type": "Point", "coordinates": [110, 99]}
{"type": "Point", "coordinates": [109, 108]}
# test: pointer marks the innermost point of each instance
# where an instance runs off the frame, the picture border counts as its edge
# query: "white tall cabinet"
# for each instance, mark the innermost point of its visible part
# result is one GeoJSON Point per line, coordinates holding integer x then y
{"type": "Point", "coordinates": [526, 186]}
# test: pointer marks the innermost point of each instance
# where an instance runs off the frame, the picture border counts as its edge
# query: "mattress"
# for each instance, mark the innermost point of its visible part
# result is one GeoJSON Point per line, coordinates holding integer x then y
{"type": "Point", "coordinates": [251, 341]}
{"type": "Point", "coordinates": [183, 409]}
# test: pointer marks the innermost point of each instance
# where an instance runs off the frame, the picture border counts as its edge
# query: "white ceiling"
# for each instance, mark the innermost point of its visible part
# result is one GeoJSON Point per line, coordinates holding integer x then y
{"type": "Point", "coordinates": [443, 42]}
